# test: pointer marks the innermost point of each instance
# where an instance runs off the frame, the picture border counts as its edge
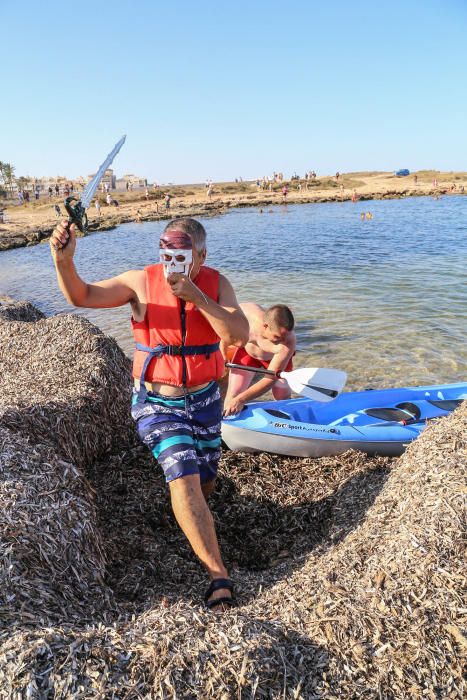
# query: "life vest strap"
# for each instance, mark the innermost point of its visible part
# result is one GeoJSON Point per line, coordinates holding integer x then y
{"type": "Point", "coordinates": [174, 351]}
{"type": "Point", "coordinates": [178, 350]}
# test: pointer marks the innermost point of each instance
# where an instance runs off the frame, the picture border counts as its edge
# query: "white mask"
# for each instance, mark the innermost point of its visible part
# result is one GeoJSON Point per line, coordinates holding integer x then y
{"type": "Point", "coordinates": [176, 260]}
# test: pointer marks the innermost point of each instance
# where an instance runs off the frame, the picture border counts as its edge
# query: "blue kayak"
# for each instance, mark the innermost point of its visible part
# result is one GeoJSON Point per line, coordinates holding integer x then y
{"type": "Point", "coordinates": [381, 422]}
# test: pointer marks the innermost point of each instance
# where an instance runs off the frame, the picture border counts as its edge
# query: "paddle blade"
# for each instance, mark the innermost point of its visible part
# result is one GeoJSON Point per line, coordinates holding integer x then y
{"type": "Point", "coordinates": [318, 383]}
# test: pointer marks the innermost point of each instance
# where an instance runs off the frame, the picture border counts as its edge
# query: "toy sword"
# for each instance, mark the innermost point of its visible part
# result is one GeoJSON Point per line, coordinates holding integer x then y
{"type": "Point", "coordinates": [77, 212]}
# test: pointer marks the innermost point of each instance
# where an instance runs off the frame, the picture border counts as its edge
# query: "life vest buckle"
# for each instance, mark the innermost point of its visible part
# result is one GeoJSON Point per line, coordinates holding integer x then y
{"type": "Point", "coordinates": [174, 350]}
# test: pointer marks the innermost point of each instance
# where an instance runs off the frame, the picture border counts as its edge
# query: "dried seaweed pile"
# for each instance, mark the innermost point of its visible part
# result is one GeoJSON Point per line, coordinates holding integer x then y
{"type": "Point", "coordinates": [386, 601]}
{"type": "Point", "coordinates": [52, 564]}
{"type": "Point", "coordinates": [64, 391]}
{"type": "Point", "coordinates": [348, 569]}
{"type": "Point", "coordinates": [62, 383]}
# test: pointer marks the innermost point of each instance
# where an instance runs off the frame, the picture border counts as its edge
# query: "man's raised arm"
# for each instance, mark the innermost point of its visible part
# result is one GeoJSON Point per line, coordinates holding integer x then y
{"type": "Point", "coordinates": [116, 291]}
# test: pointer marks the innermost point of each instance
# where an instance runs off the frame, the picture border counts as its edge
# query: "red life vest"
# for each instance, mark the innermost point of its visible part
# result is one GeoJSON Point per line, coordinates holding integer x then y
{"type": "Point", "coordinates": [162, 326]}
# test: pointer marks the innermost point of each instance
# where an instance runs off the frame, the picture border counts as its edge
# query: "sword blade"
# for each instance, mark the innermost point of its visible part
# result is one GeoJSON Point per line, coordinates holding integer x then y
{"type": "Point", "coordinates": [91, 187]}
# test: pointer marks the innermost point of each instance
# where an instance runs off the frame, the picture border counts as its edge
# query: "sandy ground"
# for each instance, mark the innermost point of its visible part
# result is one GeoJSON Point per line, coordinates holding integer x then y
{"type": "Point", "coordinates": [30, 223]}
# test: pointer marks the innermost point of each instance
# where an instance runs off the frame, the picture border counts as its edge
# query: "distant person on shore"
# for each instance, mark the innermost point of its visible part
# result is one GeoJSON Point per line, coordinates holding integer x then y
{"type": "Point", "coordinates": [285, 192]}
{"type": "Point", "coordinates": [271, 345]}
{"type": "Point", "coordinates": [50, 191]}
{"type": "Point", "coordinates": [57, 189]}
{"type": "Point", "coordinates": [108, 199]}
{"type": "Point", "coordinates": [58, 213]}
{"type": "Point", "coordinates": [181, 310]}
{"type": "Point", "coordinates": [167, 199]}
{"type": "Point", "coordinates": [97, 204]}
{"type": "Point", "coordinates": [209, 192]}
{"type": "Point", "coordinates": [146, 194]}
{"type": "Point", "coordinates": [415, 179]}
{"type": "Point", "coordinates": [354, 196]}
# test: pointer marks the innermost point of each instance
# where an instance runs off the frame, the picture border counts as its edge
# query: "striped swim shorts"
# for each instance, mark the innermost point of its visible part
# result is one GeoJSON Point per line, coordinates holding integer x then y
{"type": "Point", "coordinates": [184, 437]}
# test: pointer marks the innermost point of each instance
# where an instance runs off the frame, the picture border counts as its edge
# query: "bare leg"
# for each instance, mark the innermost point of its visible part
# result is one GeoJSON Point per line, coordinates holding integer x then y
{"type": "Point", "coordinates": [281, 390]}
{"type": "Point", "coordinates": [238, 382]}
{"type": "Point", "coordinates": [195, 519]}
{"type": "Point", "coordinates": [207, 488]}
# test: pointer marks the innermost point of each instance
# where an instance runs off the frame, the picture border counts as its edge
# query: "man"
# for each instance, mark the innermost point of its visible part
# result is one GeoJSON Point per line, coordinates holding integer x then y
{"type": "Point", "coordinates": [181, 309]}
{"type": "Point", "coordinates": [271, 345]}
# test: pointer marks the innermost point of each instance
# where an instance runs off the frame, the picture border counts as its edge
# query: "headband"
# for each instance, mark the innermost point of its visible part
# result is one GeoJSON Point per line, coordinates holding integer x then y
{"type": "Point", "coordinates": [175, 239]}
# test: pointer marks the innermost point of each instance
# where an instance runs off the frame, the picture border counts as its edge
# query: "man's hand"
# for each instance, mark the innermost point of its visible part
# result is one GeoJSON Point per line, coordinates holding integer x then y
{"type": "Point", "coordinates": [183, 288]}
{"type": "Point", "coordinates": [63, 241]}
{"type": "Point", "coordinates": [234, 406]}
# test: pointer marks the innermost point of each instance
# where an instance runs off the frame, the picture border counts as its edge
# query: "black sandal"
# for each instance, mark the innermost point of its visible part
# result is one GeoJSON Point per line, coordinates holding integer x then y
{"type": "Point", "coordinates": [215, 586]}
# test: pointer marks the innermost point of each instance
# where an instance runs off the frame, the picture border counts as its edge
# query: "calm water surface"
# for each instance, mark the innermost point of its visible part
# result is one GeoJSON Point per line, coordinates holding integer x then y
{"type": "Point", "coordinates": [383, 299]}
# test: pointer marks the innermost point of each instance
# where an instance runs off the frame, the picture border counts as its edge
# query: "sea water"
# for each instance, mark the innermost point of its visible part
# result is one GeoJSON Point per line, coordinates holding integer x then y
{"type": "Point", "coordinates": [383, 299]}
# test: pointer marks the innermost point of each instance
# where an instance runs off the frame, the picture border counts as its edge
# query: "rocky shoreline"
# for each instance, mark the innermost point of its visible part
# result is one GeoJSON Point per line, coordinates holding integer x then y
{"type": "Point", "coordinates": [111, 217]}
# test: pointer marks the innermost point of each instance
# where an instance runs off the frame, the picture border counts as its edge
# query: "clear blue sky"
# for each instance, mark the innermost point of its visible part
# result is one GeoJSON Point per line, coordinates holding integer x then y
{"type": "Point", "coordinates": [227, 89]}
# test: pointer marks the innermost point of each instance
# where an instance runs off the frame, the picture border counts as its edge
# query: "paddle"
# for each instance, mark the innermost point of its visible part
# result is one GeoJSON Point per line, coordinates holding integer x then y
{"type": "Point", "coordinates": [316, 383]}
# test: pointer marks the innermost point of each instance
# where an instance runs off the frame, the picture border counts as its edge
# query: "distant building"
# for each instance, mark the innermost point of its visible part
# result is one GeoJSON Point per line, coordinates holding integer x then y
{"type": "Point", "coordinates": [108, 179]}
{"type": "Point", "coordinates": [43, 183]}
{"type": "Point", "coordinates": [134, 180]}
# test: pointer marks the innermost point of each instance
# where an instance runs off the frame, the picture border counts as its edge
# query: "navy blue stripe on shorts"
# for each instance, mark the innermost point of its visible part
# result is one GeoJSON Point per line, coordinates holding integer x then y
{"type": "Point", "coordinates": [184, 437]}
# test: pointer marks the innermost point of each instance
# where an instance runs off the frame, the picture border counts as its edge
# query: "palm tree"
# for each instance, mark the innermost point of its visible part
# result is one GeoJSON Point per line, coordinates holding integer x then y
{"type": "Point", "coordinates": [7, 173]}
{"type": "Point", "coordinates": [2, 191]}
{"type": "Point", "coordinates": [23, 182]}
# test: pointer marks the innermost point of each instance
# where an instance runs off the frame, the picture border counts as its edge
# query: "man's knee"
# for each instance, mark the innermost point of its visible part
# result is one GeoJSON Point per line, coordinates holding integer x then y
{"type": "Point", "coordinates": [185, 483]}
{"type": "Point", "coordinates": [208, 487]}
{"type": "Point", "coordinates": [281, 391]}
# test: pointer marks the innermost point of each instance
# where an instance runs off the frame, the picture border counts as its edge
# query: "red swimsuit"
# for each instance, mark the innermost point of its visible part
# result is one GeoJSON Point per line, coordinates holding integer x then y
{"type": "Point", "coordinates": [241, 357]}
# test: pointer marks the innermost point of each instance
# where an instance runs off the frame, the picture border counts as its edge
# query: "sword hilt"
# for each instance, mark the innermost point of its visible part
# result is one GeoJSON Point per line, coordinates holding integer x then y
{"type": "Point", "coordinates": [76, 213]}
